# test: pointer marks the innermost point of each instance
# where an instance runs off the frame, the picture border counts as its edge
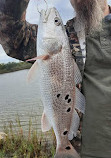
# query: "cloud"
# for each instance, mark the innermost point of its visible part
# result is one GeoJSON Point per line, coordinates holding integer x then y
{"type": "Point", "coordinates": [109, 1]}
{"type": "Point", "coordinates": [4, 58]}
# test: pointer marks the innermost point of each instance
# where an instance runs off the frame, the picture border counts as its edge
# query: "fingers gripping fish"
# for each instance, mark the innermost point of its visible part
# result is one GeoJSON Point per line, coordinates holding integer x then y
{"type": "Point", "coordinates": [59, 75]}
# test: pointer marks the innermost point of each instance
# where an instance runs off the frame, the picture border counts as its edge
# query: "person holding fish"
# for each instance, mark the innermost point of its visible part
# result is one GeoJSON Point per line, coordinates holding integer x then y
{"type": "Point", "coordinates": [90, 42]}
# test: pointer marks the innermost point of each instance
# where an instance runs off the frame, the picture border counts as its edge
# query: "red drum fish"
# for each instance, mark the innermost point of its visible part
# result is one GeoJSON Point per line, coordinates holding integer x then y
{"type": "Point", "coordinates": [58, 74]}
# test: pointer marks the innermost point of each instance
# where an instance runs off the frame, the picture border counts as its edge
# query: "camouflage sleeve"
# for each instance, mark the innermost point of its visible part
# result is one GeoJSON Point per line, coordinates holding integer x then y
{"type": "Point", "coordinates": [77, 54]}
{"type": "Point", "coordinates": [74, 44]}
{"type": "Point", "coordinates": [17, 36]}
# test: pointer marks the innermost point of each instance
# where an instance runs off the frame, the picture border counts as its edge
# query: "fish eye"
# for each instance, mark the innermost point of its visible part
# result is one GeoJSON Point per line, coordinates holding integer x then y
{"type": "Point", "coordinates": [57, 21]}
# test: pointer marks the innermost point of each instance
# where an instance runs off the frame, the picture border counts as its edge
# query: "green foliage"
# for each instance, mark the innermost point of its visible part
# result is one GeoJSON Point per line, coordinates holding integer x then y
{"type": "Point", "coordinates": [30, 145]}
{"type": "Point", "coordinates": [12, 66]}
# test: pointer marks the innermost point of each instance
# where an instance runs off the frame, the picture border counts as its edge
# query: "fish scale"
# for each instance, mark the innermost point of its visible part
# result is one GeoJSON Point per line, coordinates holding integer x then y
{"type": "Point", "coordinates": [66, 85]}
{"type": "Point", "coordinates": [58, 76]}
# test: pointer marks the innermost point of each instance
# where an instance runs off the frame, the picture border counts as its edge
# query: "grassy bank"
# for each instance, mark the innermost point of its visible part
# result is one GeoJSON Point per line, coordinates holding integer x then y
{"type": "Point", "coordinates": [12, 66]}
{"type": "Point", "coordinates": [22, 144]}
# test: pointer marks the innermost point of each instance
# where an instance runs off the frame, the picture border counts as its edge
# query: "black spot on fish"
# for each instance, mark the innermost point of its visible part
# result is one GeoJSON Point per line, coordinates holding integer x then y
{"type": "Point", "coordinates": [67, 96]}
{"type": "Point", "coordinates": [69, 100]}
{"type": "Point", "coordinates": [65, 132]}
{"type": "Point", "coordinates": [69, 109]}
{"type": "Point", "coordinates": [58, 95]}
{"type": "Point", "coordinates": [68, 148]}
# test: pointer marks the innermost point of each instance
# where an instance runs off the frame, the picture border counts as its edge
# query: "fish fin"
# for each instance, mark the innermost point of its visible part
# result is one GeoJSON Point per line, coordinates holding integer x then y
{"type": "Point", "coordinates": [32, 72]}
{"type": "Point", "coordinates": [45, 124]}
{"type": "Point", "coordinates": [80, 101]}
{"type": "Point", "coordinates": [32, 59]}
{"type": "Point", "coordinates": [66, 153]}
{"type": "Point", "coordinates": [42, 57]}
{"type": "Point", "coordinates": [74, 126]}
{"type": "Point", "coordinates": [80, 105]}
{"type": "Point", "coordinates": [77, 74]}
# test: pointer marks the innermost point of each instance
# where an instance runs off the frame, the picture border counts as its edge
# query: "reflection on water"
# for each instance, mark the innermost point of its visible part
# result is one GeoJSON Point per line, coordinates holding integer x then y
{"type": "Point", "coordinates": [17, 97]}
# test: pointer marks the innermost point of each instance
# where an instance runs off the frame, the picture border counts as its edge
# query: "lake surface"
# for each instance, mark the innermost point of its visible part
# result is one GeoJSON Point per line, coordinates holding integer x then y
{"type": "Point", "coordinates": [19, 99]}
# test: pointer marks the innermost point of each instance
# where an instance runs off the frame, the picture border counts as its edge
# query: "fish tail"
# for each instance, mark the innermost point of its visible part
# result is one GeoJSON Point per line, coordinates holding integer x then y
{"type": "Point", "coordinates": [68, 152]}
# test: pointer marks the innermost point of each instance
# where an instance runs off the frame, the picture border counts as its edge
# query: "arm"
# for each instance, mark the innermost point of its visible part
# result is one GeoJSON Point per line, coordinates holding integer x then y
{"type": "Point", "coordinates": [17, 37]}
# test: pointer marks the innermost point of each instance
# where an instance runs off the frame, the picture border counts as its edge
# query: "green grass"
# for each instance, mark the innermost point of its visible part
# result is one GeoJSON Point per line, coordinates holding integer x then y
{"type": "Point", "coordinates": [12, 66]}
{"type": "Point", "coordinates": [30, 144]}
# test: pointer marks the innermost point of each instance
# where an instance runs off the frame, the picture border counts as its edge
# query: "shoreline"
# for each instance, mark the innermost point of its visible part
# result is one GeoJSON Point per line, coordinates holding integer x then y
{"type": "Point", "coordinates": [12, 67]}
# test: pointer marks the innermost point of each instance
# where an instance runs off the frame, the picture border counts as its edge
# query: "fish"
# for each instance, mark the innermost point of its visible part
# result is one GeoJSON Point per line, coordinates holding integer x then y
{"type": "Point", "coordinates": [58, 77]}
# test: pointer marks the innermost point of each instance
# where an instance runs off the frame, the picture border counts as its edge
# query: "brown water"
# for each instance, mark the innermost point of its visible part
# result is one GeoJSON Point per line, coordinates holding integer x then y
{"type": "Point", "coordinates": [17, 97]}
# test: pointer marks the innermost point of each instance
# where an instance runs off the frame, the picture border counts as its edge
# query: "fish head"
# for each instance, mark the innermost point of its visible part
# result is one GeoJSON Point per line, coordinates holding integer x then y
{"type": "Point", "coordinates": [51, 35]}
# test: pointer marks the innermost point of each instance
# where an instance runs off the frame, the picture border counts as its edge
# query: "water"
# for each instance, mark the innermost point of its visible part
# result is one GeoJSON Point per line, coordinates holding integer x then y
{"type": "Point", "coordinates": [18, 98]}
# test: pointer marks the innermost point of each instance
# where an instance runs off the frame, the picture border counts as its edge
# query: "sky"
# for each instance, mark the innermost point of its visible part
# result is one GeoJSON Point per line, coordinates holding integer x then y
{"type": "Point", "coordinates": [66, 11]}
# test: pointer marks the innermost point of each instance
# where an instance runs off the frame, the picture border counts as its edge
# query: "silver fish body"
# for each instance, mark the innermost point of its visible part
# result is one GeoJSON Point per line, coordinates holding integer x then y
{"type": "Point", "coordinates": [58, 96]}
{"type": "Point", "coordinates": [59, 75]}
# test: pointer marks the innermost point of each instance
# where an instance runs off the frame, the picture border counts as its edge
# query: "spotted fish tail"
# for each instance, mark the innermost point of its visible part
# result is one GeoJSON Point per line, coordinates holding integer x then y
{"type": "Point", "coordinates": [68, 152]}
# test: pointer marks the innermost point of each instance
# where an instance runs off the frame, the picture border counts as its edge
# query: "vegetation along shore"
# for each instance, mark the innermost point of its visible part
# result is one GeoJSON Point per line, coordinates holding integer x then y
{"type": "Point", "coordinates": [12, 66]}
{"type": "Point", "coordinates": [18, 143]}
